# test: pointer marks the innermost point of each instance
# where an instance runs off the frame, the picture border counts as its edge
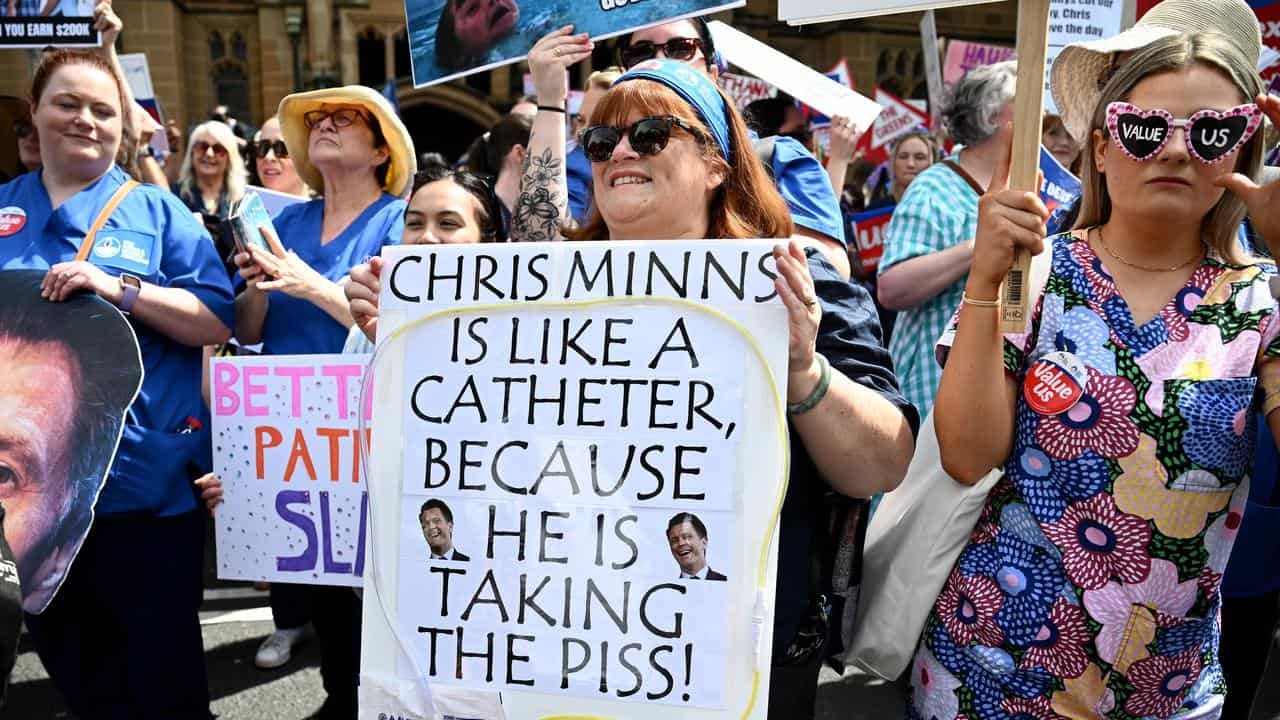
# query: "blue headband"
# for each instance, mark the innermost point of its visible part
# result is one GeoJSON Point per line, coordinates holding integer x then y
{"type": "Point", "coordinates": [694, 88]}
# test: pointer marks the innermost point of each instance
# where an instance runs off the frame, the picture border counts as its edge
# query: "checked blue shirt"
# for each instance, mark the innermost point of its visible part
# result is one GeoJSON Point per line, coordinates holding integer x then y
{"type": "Point", "coordinates": [939, 210]}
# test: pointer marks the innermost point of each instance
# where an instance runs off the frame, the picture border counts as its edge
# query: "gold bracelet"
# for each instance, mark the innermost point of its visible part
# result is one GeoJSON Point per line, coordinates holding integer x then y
{"type": "Point", "coordinates": [964, 297]}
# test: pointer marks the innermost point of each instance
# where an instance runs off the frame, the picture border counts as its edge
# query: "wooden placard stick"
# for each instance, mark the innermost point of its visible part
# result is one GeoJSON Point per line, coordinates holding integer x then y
{"type": "Point", "coordinates": [1028, 109]}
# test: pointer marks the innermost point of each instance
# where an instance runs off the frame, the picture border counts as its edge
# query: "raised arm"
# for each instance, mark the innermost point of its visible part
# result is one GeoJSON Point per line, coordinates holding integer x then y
{"type": "Point", "coordinates": [542, 207]}
{"type": "Point", "coordinates": [975, 382]}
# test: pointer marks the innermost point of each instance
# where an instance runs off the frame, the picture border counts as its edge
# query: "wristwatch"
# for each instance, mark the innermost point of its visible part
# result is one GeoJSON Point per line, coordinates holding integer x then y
{"type": "Point", "coordinates": [130, 286]}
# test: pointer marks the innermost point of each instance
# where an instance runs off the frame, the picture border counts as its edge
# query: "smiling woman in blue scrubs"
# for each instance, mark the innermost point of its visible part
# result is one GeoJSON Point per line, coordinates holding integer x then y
{"type": "Point", "coordinates": [348, 144]}
{"type": "Point", "coordinates": [130, 601]}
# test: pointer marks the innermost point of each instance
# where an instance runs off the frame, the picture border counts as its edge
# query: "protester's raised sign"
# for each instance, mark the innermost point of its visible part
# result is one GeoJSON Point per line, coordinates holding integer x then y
{"type": "Point", "coordinates": [563, 435]}
{"type": "Point", "coordinates": [65, 23]}
{"type": "Point", "coordinates": [803, 12]}
{"type": "Point", "coordinates": [449, 39]}
{"type": "Point", "coordinates": [1072, 21]}
{"type": "Point", "coordinates": [793, 77]}
{"type": "Point", "coordinates": [285, 445]}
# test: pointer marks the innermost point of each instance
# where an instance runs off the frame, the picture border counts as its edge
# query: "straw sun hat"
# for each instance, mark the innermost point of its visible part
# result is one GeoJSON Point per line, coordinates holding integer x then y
{"type": "Point", "coordinates": [404, 161]}
{"type": "Point", "coordinates": [1081, 69]}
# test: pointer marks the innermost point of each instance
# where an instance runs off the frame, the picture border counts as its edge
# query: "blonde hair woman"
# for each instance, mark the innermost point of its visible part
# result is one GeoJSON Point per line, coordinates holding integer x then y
{"type": "Point", "coordinates": [213, 173]}
{"type": "Point", "coordinates": [1122, 417]}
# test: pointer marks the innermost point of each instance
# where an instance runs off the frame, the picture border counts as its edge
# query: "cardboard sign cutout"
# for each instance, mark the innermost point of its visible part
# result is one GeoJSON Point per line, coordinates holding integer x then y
{"type": "Point", "coordinates": [565, 435]}
{"type": "Point", "coordinates": [71, 370]}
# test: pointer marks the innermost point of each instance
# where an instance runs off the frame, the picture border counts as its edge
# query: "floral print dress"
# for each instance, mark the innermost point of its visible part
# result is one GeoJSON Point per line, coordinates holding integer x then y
{"type": "Point", "coordinates": [1090, 585]}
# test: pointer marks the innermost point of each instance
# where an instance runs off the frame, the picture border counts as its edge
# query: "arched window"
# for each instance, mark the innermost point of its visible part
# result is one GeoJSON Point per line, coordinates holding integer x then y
{"type": "Point", "coordinates": [239, 48]}
{"type": "Point", "coordinates": [217, 48]}
{"type": "Point", "coordinates": [371, 58]}
{"type": "Point", "coordinates": [404, 64]}
{"type": "Point", "coordinates": [231, 87]}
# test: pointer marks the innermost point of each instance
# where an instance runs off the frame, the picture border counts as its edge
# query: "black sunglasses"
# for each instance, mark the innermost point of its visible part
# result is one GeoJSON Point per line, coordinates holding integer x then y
{"type": "Point", "coordinates": [648, 136]}
{"type": "Point", "coordinates": [262, 147]}
{"type": "Point", "coordinates": [681, 48]}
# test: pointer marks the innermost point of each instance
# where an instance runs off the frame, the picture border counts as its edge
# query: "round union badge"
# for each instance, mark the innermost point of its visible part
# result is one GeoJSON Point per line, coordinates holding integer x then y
{"type": "Point", "coordinates": [12, 219]}
{"type": "Point", "coordinates": [1055, 383]}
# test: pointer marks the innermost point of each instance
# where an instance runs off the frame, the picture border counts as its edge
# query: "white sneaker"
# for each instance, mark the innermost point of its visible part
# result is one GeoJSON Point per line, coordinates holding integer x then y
{"type": "Point", "coordinates": [277, 649]}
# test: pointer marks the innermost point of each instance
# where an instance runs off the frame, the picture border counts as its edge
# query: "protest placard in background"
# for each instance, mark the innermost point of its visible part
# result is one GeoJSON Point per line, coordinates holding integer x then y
{"type": "Point", "coordinates": [869, 230]}
{"type": "Point", "coordinates": [68, 24]}
{"type": "Point", "coordinates": [564, 436]}
{"type": "Point", "coordinates": [284, 444]}
{"type": "Point", "coordinates": [792, 76]}
{"type": "Point", "coordinates": [1078, 21]}
{"type": "Point", "coordinates": [1058, 185]}
{"type": "Point", "coordinates": [964, 56]}
{"type": "Point", "coordinates": [744, 89]}
{"type": "Point", "coordinates": [500, 32]}
{"type": "Point", "coordinates": [804, 12]}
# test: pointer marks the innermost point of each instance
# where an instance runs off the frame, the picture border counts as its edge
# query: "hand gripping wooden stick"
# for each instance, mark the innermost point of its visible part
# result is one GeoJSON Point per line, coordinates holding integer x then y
{"type": "Point", "coordinates": [1028, 108]}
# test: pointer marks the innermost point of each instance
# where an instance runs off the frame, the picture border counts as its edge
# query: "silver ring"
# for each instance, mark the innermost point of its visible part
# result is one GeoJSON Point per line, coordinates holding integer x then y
{"type": "Point", "coordinates": [66, 275]}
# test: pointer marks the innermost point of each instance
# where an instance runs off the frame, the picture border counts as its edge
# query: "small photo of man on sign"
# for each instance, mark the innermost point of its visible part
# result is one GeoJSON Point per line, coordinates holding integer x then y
{"type": "Point", "coordinates": [687, 538]}
{"type": "Point", "coordinates": [436, 520]}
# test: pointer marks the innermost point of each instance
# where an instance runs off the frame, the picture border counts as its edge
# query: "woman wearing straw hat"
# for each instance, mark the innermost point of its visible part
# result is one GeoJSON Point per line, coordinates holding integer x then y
{"type": "Point", "coordinates": [1091, 583]}
{"type": "Point", "coordinates": [348, 145]}
{"type": "Point", "coordinates": [1081, 69]}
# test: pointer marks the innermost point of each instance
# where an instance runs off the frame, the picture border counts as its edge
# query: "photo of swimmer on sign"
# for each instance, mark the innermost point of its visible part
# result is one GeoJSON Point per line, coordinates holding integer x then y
{"type": "Point", "coordinates": [452, 38]}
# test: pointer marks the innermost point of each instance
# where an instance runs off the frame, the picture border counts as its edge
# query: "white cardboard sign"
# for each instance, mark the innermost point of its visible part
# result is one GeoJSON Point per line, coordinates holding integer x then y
{"type": "Point", "coordinates": [793, 77]}
{"type": "Point", "coordinates": [561, 433]}
{"type": "Point", "coordinates": [285, 445]}
{"type": "Point", "coordinates": [803, 12]}
{"type": "Point", "coordinates": [1073, 21]}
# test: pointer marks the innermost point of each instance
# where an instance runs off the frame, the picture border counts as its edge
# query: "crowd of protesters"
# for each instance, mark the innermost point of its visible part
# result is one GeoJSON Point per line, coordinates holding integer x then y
{"type": "Point", "coordinates": [1096, 582]}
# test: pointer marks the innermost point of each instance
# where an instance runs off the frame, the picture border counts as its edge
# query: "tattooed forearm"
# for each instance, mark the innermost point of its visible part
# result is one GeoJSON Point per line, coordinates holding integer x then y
{"type": "Point", "coordinates": [542, 206]}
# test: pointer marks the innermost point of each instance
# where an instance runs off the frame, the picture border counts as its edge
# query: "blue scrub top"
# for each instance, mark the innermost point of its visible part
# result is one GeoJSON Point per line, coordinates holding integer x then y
{"type": "Point", "coordinates": [297, 327]}
{"type": "Point", "coordinates": [806, 187]}
{"type": "Point", "coordinates": [578, 175]}
{"type": "Point", "coordinates": [151, 235]}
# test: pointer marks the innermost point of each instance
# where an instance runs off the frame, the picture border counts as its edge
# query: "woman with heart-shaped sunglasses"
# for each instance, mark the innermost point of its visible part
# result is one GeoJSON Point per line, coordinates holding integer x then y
{"type": "Point", "coordinates": [1121, 416]}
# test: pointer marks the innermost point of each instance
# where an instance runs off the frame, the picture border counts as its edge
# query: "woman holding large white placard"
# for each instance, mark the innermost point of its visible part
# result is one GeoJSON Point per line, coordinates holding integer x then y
{"type": "Point", "coordinates": [1123, 417]}
{"type": "Point", "coordinates": [672, 159]}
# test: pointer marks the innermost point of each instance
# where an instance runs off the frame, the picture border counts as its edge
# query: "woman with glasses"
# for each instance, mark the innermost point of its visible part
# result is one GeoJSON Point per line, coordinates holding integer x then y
{"type": "Point", "coordinates": [213, 179]}
{"type": "Point", "coordinates": [138, 572]}
{"type": "Point", "coordinates": [271, 167]}
{"type": "Point", "coordinates": [348, 145]}
{"type": "Point", "coordinates": [447, 207]}
{"type": "Point", "coordinates": [213, 173]}
{"type": "Point", "coordinates": [1123, 417]}
{"type": "Point", "coordinates": [672, 159]}
{"type": "Point", "coordinates": [544, 204]}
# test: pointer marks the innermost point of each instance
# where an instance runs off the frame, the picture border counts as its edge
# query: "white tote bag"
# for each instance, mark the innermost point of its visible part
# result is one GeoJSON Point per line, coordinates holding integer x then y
{"type": "Point", "coordinates": [913, 541]}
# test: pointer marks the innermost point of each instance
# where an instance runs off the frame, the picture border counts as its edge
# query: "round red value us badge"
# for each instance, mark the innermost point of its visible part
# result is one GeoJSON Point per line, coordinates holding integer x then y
{"type": "Point", "coordinates": [1055, 383]}
{"type": "Point", "coordinates": [12, 219]}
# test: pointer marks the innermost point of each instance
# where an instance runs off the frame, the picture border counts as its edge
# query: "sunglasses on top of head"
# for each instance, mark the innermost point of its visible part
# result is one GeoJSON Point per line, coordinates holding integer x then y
{"type": "Point", "coordinates": [648, 136]}
{"type": "Point", "coordinates": [680, 48]}
{"type": "Point", "coordinates": [1210, 135]}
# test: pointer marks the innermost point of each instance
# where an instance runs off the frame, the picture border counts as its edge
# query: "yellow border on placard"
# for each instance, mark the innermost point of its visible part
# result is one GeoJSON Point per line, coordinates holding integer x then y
{"type": "Point", "coordinates": [781, 417]}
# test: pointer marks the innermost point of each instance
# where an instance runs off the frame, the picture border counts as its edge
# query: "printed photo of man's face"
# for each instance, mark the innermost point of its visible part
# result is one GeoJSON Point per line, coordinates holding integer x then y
{"type": "Point", "coordinates": [37, 414]}
{"type": "Point", "coordinates": [68, 373]}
